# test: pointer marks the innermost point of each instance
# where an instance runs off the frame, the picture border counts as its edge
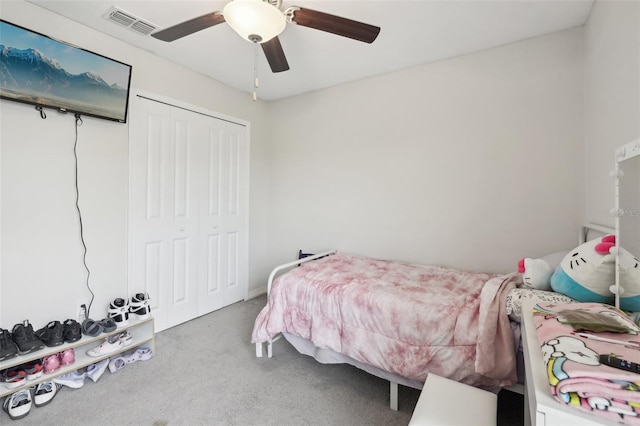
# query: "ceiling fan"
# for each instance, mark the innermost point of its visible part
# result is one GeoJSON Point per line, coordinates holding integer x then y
{"type": "Point", "coordinates": [261, 21]}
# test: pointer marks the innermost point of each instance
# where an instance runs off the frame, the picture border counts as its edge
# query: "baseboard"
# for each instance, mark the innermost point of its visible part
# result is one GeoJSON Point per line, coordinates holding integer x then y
{"type": "Point", "coordinates": [252, 294]}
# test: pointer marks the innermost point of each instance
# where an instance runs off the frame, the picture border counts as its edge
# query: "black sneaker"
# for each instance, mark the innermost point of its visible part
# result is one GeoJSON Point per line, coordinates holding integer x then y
{"type": "Point", "coordinates": [72, 330]}
{"type": "Point", "coordinates": [8, 348]}
{"type": "Point", "coordinates": [25, 338]}
{"type": "Point", "coordinates": [52, 334]}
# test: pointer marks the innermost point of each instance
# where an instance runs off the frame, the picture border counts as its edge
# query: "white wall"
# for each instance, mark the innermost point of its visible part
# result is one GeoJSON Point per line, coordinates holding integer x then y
{"type": "Point", "coordinates": [42, 277]}
{"type": "Point", "coordinates": [612, 97]}
{"type": "Point", "coordinates": [473, 162]}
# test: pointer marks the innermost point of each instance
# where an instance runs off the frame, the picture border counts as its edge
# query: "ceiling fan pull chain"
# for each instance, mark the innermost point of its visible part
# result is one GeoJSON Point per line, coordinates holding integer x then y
{"type": "Point", "coordinates": [256, 83]}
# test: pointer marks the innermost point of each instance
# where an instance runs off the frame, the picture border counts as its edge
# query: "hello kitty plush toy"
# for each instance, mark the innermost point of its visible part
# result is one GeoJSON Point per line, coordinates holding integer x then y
{"type": "Point", "coordinates": [587, 272]}
{"type": "Point", "coordinates": [536, 273]}
{"type": "Point", "coordinates": [629, 281]}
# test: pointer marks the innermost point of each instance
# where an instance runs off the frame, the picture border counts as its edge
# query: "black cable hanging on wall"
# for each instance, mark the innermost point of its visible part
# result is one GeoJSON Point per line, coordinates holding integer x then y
{"type": "Point", "coordinates": [78, 123]}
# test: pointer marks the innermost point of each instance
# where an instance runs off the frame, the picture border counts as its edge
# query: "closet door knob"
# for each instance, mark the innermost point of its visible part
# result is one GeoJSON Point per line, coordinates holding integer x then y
{"type": "Point", "coordinates": [182, 229]}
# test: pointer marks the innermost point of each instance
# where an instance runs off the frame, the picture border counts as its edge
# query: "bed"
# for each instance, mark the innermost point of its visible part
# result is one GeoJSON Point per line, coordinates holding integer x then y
{"type": "Point", "coordinates": [396, 320]}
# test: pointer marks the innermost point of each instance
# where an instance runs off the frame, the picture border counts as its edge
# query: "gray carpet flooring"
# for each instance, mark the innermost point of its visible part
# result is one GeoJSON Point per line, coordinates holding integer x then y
{"type": "Point", "coordinates": [205, 372]}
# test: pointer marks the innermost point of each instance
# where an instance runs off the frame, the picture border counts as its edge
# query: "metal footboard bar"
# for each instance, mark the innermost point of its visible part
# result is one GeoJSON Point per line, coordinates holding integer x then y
{"type": "Point", "coordinates": [272, 276]}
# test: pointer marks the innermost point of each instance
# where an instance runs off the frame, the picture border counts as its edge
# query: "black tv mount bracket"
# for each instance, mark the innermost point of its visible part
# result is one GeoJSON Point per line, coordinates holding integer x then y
{"type": "Point", "coordinates": [42, 113]}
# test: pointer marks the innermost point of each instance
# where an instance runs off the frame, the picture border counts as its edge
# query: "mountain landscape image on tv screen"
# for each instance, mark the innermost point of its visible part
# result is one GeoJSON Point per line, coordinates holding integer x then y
{"type": "Point", "coordinates": [39, 70]}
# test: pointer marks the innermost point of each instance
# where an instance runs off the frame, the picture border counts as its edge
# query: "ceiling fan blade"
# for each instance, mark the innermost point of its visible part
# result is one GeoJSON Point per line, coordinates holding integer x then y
{"type": "Point", "coordinates": [189, 27]}
{"type": "Point", "coordinates": [335, 24]}
{"type": "Point", "coordinates": [275, 55]}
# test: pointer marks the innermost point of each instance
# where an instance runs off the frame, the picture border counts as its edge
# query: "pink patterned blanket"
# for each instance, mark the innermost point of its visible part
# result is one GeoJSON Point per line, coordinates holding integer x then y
{"type": "Point", "coordinates": [404, 318]}
{"type": "Point", "coordinates": [576, 362]}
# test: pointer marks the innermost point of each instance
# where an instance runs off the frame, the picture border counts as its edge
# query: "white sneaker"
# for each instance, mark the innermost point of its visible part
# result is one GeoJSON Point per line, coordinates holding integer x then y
{"type": "Point", "coordinates": [74, 380]}
{"type": "Point", "coordinates": [95, 371]}
{"type": "Point", "coordinates": [119, 311]}
{"type": "Point", "coordinates": [110, 345]}
{"type": "Point", "coordinates": [139, 306]}
{"type": "Point", "coordinates": [44, 392]}
{"type": "Point", "coordinates": [126, 338]}
{"type": "Point", "coordinates": [18, 405]}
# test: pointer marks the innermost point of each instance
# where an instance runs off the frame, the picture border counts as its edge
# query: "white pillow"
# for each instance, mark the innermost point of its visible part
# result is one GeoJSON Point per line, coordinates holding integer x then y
{"type": "Point", "coordinates": [554, 259]}
{"type": "Point", "coordinates": [517, 295]}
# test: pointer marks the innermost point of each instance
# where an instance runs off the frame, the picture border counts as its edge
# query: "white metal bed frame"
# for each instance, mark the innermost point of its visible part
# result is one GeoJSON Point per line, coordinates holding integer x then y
{"type": "Point", "coordinates": [275, 271]}
{"type": "Point", "coordinates": [583, 236]}
{"type": "Point", "coordinates": [393, 386]}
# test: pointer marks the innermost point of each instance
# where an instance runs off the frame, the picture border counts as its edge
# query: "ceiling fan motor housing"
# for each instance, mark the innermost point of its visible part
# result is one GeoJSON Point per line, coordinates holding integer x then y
{"type": "Point", "coordinates": [257, 21]}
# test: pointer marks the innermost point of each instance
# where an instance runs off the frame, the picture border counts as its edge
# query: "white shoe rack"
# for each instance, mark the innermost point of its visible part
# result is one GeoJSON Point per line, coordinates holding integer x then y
{"type": "Point", "coordinates": [142, 332]}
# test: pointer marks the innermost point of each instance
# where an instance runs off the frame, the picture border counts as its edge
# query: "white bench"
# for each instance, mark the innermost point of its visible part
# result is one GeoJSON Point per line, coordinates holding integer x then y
{"type": "Point", "coordinates": [444, 402]}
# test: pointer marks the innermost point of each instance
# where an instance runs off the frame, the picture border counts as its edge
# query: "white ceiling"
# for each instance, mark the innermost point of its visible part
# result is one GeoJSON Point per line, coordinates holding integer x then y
{"type": "Point", "coordinates": [413, 33]}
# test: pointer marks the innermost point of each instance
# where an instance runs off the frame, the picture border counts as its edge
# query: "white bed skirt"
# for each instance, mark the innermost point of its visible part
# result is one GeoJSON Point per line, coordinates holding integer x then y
{"type": "Point", "coordinates": [327, 356]}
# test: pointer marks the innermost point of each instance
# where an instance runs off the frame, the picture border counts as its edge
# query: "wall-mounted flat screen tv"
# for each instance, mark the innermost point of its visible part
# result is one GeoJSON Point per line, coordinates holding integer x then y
{"type": "Point", "coordinates": [39, 70]}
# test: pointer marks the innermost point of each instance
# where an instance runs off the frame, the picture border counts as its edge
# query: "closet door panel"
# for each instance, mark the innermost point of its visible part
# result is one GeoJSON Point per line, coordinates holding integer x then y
{"type": "Point", "coordinates": [213, 265]}
{"type": "Point", "coordinates": [236, 217]}
{"type": "Point", "coordinates": [164, 227]}
{"type": "Point", "coordinates": [222, 219]}
{"type": "Point", "coordinates": [148, 239]}
{"type": "Point", "coordinates": [189, 210]}
{"type": "Point", "coordinates": [182, 192]}
{"type": "Point", "coordinates": [233, 258]}
{"type": "Point", "coordinates": [153, 271]}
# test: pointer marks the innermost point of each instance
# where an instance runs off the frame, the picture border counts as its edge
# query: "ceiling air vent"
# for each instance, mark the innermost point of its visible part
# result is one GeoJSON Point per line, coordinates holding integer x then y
{"type": "Point", "coordinates": [129, 20]}
{"type": "Point", "coordinates": [143, 27]}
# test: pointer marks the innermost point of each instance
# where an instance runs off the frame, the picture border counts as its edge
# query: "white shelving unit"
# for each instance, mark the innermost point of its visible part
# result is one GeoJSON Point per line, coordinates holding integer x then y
{"type": "Point", "coordinates": [142, 332]}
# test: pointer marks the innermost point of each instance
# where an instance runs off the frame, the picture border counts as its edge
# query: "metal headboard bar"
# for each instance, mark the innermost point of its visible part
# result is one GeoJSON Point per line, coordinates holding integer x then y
{"type": "Point", "coordinates": [271, 278]}
{"type": "Point", "coordinates": [583, 236]}
{"type": "Point", "coordinates": [295, 263]}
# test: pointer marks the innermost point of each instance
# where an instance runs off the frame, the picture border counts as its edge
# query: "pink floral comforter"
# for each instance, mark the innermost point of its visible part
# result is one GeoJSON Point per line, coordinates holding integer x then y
{"type": "Point", "coordinates": [407, 319]}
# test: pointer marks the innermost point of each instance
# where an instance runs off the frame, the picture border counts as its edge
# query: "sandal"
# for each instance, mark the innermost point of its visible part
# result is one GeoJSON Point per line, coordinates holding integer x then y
{"type": "Point", "coordinates": [91, 327]}
{"type": "Point", "coordinates": [108, 325]}
{"type": "Point", "coordinates": [140, 354]}
{"type": "Point", "coordinates": [119, 361]}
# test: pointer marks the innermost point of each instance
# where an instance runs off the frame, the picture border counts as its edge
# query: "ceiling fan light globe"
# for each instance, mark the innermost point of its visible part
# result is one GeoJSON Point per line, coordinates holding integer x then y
{"type": "Point", "coordinates": [250, 18]}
